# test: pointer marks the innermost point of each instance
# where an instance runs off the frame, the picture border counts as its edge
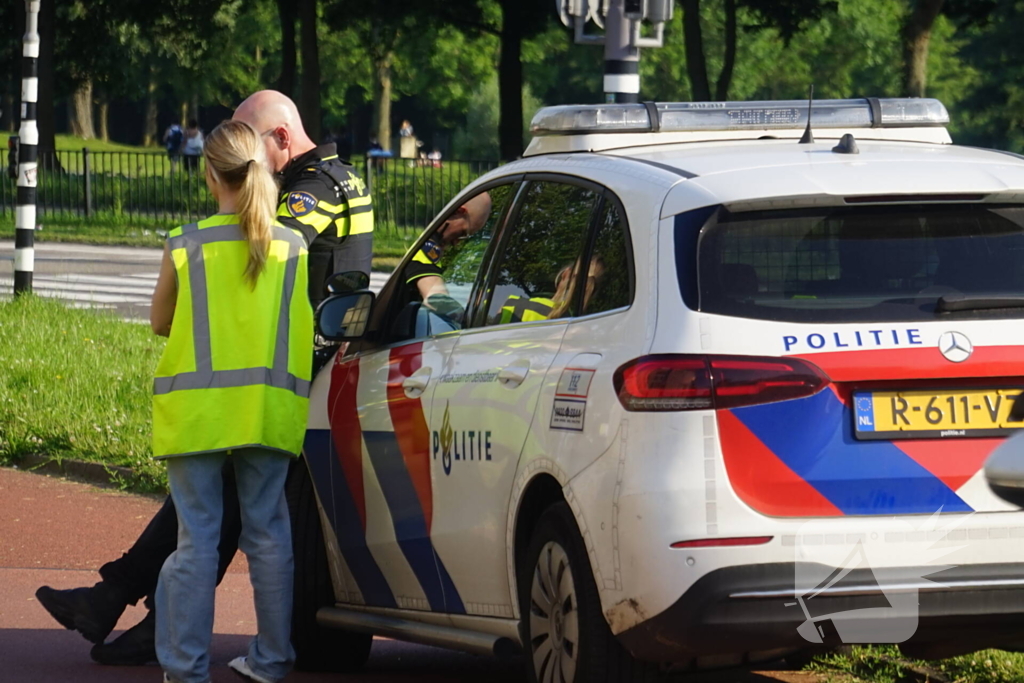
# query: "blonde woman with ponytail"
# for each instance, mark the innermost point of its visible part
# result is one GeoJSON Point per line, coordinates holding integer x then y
{"type": "Point", "coordinates": [231, 394]}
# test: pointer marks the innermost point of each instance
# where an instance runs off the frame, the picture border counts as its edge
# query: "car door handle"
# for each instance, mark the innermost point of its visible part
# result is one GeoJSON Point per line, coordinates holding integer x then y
{"type": "Point", "coordinates": [515, 374]}
{"type": "Point", "coordinates": [416, 383]}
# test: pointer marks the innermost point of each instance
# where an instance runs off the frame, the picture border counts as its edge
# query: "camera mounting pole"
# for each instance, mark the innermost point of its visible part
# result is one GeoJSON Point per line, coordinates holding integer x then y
{"type": "Point", "coordinates": [622, 21]}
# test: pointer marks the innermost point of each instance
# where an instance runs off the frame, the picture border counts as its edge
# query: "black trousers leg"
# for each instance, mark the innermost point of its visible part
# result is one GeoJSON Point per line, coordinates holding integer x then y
{"type": "Point", "coordinates": [137, 571]}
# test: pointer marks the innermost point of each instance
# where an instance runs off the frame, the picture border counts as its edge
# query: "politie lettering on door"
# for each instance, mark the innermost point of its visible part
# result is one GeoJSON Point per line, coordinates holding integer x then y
{"type": "Point", "coordinates": [852, 339]}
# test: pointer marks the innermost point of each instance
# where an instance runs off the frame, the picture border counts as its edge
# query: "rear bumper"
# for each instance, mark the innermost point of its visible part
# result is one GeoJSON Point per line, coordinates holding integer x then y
{"type": "Point", "coordinates": [752, 608]}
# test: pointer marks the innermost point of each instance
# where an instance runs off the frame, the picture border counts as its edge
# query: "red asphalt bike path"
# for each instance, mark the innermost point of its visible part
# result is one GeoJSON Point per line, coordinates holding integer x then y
{"type": "Point", "coordinates": [57, 532]}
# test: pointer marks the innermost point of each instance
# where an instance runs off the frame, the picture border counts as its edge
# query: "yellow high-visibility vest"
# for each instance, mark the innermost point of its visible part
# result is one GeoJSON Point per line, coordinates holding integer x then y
{"type": "Point", "coordinates": [237, 367]}
{"type": "Point", "coordinates": [519, 309]}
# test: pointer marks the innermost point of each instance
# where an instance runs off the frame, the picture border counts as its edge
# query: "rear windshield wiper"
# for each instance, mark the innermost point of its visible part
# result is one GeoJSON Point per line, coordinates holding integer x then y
{"type": "Point", "coordinates": [951, 303]}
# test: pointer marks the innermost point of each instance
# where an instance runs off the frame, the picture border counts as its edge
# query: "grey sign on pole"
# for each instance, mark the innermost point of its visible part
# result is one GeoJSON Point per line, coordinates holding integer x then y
{"type": "Point", "coordinates": [28, 154]}
{"type": "Point", "coordinates": [622, 21]}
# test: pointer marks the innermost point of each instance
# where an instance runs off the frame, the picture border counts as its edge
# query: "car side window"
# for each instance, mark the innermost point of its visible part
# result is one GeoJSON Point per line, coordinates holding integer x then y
{"type": "Point", "coordinates": [440, 276]}
{"type": "Point", "coordinates": [609, 283]}
{"type": "Point", "coordinates": [538, 271]}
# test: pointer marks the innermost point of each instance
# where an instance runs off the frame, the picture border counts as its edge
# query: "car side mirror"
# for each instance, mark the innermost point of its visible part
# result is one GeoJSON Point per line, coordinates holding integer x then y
{"type": "Point", "coordinates": [344, 283]}
{"type": "Point", "coordinates": [1004, 470]}
{"type": "Point", "coordinates": [344, 317]}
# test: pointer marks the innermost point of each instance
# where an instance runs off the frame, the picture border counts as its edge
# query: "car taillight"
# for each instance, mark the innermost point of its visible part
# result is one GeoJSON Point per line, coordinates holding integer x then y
{"type": "Point", "coordinates": [683, 382]}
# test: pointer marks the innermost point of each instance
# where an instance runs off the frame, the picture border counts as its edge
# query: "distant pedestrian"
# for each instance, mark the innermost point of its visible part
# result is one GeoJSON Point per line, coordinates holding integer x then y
{"type": "Point", "coordinates": [192, 148]}
{"type": "Point", "coordinates": [206, 413]}
{"type": "Point", "coordinates": [406, 130]}
{"type": "Point", "coordinates": [174, 136]}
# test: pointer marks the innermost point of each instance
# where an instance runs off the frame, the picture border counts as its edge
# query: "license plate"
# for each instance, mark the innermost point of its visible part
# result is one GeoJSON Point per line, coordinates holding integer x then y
{"type": "Point", "coordinates": [934, 413]}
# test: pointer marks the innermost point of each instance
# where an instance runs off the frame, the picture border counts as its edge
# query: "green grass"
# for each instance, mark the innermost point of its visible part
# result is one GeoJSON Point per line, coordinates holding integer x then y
{"type": "Point", "coordinates": [77, 384]}
{"type": "Point", "coordinates": [885, 664]}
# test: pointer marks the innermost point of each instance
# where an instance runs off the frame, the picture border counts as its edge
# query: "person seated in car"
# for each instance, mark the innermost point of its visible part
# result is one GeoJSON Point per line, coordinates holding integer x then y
{"type": "Point", "coordinates": [522, 309]}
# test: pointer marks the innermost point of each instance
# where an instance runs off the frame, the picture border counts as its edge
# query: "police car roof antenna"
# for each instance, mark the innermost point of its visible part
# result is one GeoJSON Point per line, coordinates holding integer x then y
{"type": "Point", "coordinates": [808, 137]}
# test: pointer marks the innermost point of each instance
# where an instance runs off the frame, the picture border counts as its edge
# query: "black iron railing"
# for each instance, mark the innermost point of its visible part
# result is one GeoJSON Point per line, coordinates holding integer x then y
{"type": "Point", "coordinates": [141, 186]}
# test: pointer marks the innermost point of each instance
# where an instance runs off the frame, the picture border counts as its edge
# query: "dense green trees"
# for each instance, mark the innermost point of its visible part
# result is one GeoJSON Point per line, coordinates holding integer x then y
{"type": "Point", "coordinates": [469, 73]}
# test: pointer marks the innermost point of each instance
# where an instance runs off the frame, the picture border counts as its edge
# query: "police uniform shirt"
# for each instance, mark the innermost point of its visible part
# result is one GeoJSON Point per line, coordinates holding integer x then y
{"type": "Point", "coordinates": [425, 262]}
{"type": "Point", "coordinates": [325, 200]}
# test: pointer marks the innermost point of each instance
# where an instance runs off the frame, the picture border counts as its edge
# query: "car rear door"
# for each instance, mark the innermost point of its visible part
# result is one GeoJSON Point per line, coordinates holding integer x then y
{"type": "Point", "coordinates": [484, 405]}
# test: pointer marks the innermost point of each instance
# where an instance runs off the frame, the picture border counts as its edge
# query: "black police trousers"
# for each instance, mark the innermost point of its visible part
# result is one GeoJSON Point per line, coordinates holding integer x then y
{"type": "Point", "coordinates": [136, 572]}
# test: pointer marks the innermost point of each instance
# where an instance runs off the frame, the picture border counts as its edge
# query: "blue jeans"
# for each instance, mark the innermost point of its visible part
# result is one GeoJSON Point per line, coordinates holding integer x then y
{"type": "Point", "coordinates": [188, 580]}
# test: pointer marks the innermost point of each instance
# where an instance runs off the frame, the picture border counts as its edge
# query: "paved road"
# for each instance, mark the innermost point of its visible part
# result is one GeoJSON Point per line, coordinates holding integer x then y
{"type": "Point", "coordinates": [57, 532]}
{"type": "Point", "coordinates": [120, 279]}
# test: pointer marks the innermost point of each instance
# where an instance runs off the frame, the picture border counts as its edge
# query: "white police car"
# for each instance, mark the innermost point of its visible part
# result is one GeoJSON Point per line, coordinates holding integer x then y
{"type": "Point", "coordinates": [690, 393]}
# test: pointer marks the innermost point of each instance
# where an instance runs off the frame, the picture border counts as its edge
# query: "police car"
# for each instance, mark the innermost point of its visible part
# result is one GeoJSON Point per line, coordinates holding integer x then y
{"type": "Point", "coordinates": [700, 385]}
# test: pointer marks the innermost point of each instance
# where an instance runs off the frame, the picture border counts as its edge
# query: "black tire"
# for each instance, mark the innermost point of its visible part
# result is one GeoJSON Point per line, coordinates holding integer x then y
{"type": "Point", "coordinates": [597, 654]}
{"type": "Point", "coordinates": [316, 648]}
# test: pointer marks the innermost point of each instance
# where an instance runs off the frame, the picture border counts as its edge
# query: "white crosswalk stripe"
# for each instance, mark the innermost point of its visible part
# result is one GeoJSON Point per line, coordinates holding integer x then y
{"type": "Point", "coordinates": [109, 291]}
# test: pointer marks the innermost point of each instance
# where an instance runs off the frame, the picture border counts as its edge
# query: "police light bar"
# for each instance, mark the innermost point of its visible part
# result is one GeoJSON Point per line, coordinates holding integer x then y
{"type": "Point", "coordinates": [765, 115]}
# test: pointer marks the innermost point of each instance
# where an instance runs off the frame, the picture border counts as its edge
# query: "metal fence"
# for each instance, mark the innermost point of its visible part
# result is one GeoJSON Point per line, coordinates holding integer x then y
{"type": "Point", "coordinates": [144, 186]}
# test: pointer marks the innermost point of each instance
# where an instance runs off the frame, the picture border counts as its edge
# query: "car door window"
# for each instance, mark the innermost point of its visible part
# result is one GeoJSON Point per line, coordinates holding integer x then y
{"type": "Point", "coordinates": [536, 276]}
{"type": "Point", "coordinates": [609, 281]}
{"type": "Point", "coordinates": [439, 278]}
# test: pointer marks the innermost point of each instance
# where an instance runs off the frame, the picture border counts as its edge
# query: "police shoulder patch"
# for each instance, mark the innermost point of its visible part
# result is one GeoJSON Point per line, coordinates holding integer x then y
{"type": "Point", "coordinates": [432, 250]}
{"type": "Point", "coordinates": [300, 203]}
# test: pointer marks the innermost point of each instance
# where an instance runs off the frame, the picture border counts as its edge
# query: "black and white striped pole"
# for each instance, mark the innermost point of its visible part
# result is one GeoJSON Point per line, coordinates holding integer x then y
{"type": "Point", "coordinates": [28, 157]}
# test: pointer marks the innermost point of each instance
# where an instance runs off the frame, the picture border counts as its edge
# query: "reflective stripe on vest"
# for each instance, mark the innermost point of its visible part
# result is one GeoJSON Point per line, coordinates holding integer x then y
{"type": "Point", "coordinates": [525, 310]}
{"type": "Point", "coordinates": [237, 368]}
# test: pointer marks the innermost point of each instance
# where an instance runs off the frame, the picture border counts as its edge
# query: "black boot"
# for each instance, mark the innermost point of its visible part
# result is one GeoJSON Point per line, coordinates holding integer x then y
{"type": "Point", "coordinates": [93, 612]}
{"type": "Point", "coordinates": [134, 647]}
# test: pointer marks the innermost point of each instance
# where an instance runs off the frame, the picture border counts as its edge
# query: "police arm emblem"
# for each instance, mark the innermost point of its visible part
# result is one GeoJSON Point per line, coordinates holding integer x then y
{"type": "Point", "coordinates": [300, 203]}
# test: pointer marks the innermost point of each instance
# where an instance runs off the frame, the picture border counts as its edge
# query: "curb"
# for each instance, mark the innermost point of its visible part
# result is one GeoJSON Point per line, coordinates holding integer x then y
{"type": "Point", "coordinates": [90, 472]}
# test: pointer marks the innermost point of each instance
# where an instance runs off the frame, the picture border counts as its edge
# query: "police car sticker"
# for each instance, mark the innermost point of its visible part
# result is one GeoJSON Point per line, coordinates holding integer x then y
{"type": "Point", "coordinates": [574, 383]}
{"type": "Point", "coordinates": [570, 407]}
{"type": "Point", "coordinates": [568, 414]}
{"type": "Point", "coordinates": [301, 203]}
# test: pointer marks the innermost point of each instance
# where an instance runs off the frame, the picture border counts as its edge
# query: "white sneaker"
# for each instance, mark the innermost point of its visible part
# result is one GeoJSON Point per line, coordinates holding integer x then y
{"type": "Point", "coordinates": [241, 667]}
{"type": "Point", "coordinates": [168, 679]}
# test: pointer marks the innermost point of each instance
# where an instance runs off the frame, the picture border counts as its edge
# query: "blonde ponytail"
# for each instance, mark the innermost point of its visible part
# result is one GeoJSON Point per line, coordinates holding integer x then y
{"type": "Point", "coordinates": [236, 158]}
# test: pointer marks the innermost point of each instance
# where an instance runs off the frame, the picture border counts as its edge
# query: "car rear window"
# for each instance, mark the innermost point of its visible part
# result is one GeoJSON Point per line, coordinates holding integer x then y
{"type": "Point", "coordinates": [860, 264]}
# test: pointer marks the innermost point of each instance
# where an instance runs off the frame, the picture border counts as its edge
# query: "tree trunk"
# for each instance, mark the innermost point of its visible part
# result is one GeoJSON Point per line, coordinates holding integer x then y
{"type": "Point", "coordinates": [729, 61]}
{"type": "Point", "coordinates": [149, 131]}
{"type": "Point", "coordinates": [696, 64]}
{"type": "Point", "coordinates": [510, 83]}
{"type": "Point", "coordinates": [184, 114]}
{"type": "Point", "coordinates": [47, 35]}
{"type": "Point", "coordinates": [917, 33]}
{"type": "Point", "coordinates": [286, 13]}
{"type": "Point", "coordinates": [382, 99]}
{"type": "Point", "coordinates": [310, 70]}
{"type": "Point", "coordinates": [193, 107]}
{"type": "Point", "coordinates": [80, 112]}
{"type": "Point", "coordinates": [104, 116]}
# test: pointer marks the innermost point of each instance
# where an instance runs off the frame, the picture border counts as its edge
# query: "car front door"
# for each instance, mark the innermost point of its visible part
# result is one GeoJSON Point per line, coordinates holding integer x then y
{"type": "Point", "coordinates": [484, 403]}
{"type": "Point", "coordinates": [381, 496]}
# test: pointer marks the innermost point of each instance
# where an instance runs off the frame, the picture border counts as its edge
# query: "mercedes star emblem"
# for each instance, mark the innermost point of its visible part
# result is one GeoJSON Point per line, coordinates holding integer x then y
{"type": "Point", "coordinates": [955, 346]}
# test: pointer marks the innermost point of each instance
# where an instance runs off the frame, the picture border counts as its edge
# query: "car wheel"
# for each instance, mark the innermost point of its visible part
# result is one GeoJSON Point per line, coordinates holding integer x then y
{"type": "Point", "coordinates": [316, 648]}
{"type": "Point", "coordinates": [566, 637]}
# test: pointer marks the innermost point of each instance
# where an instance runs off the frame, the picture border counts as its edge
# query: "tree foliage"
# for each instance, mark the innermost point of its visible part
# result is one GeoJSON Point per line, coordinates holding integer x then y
{"type": "Point", "coordinates": [463, 70]}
